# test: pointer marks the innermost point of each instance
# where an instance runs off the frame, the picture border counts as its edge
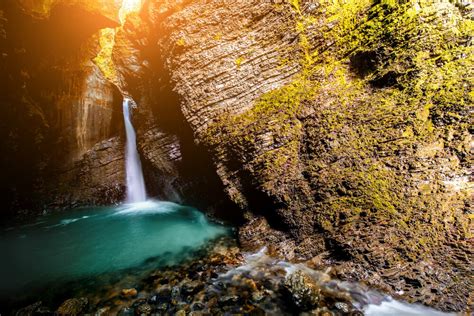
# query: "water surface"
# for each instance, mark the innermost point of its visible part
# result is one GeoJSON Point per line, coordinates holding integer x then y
{"type": "Point", "coordinates": [93, 241]}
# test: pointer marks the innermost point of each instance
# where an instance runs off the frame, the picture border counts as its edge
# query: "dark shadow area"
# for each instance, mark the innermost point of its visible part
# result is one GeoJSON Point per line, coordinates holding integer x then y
{"type": "Point", "coordinates": [366, 63]}
{"type": "Point", "coordinates": [32, 54]}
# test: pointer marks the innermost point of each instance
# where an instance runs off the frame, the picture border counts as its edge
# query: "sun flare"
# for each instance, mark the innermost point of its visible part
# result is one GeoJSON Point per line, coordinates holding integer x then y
{"type": "Point", "coordinates": [128, 7]}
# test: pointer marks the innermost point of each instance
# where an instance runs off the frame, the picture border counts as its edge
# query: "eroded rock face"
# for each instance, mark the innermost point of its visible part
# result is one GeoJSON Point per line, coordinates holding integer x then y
{"type": "Point", "coordinates": [176, 167]}
{"type": "Point", "coordinates": [63, 135]}
{"type": "Point", "coordinates": [97, 178]}
{"type": "Point", "coordinates": [336, 146]}
{"type": "Point", "coordinates": [304, 292]}
{"type": "Point", "coordinates": [57, 106]}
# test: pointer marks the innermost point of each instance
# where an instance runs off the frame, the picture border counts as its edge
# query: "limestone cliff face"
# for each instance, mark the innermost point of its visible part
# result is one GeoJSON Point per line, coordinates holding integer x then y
{"type": "Point", "coordinates": [338, 131]}
{"type": "Point", "coordinates": [57, 106]}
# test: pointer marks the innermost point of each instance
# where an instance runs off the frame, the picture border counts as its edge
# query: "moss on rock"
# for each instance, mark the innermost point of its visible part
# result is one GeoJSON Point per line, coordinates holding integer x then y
{"type": "Point", "coordinates": [364, 142]}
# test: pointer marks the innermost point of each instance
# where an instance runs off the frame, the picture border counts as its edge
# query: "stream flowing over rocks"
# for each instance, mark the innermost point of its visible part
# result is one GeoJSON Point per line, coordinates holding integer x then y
{"type": "Point", "coordinates": [335, 135]}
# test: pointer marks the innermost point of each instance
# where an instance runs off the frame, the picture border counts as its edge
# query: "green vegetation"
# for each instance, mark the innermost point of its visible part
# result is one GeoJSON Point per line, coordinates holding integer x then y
{"type": "Point", "coordinates": [239, 61]}
{"type": "Point", "coordinates": [104, 58]}
{"type": "Point", "coordinates": [181, 42]}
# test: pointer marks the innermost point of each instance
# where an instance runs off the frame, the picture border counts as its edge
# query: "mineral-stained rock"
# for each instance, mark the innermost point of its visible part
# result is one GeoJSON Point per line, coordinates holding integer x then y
{"type": "Point", "coordinates": [144, 309]}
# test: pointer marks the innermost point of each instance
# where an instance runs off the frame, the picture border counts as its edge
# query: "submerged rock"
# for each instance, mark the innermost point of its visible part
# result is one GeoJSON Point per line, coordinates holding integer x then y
{"type": "Point", "coordinates": [342, 307]}
{"type": "Point", "coordinates": [29, 310]}
{"type": "Point", "coordinates": [129, 293]}
{"type": "Point", "coordinates": [74, 306]}
{"type": "Point", "coordinates": [144, 309]}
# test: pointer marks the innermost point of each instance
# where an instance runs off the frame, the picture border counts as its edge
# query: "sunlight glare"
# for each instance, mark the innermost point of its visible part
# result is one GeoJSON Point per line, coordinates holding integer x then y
{"type": "Point", "coordinates": [129, 6]}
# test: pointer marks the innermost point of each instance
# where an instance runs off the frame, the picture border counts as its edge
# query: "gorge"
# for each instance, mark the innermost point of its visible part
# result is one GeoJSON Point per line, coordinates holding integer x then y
{"type": "Point", "coordinates": [337, 135]}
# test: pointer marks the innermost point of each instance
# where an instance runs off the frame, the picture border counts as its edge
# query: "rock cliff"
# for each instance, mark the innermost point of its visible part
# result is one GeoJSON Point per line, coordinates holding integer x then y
{"type": "Point", "coordinates": [340, 131]}
{"type": "Point", "coordinates": [56, 105]}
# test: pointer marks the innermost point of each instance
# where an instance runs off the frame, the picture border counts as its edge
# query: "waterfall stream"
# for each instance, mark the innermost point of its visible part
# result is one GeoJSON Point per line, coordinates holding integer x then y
{"type": "Point", "coordinates": [135, 183]}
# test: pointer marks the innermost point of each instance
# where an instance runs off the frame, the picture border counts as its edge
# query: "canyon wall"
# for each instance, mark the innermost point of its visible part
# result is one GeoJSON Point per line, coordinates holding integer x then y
{"type": "Point", "coordinates": [340, 131]}
{"type": "Point", "coordinates": [62, 128]}
{"type": "Point", "coordinates": [56, 106]}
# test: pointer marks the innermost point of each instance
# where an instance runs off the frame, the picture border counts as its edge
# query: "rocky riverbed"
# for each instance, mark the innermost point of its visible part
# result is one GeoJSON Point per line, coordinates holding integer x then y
{"type": "Point", "coordinates": [222, 279]}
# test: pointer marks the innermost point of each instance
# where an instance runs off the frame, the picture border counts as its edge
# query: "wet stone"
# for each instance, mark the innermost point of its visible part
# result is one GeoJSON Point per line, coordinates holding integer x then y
{"type": "Point", "coordinates": [342, 307]}
{"type": "Point", "coordinates": [228, 300]}
{"type": "Point", "coordinates": [163, 296]}
{"type": "Point", "coordinates": [305, 293]}
{"type": "Point", "coordinates": [102, 311]}
{"type": "Point", "coordinates": [180, 313]}
{"type": "Point", "coordinates": [175, 293]}
{"type": "Point", "coordinates": [144, 309]}
{"type": "Point", "coordinates": [126, 311]}
{"type": "Point", "coordinates": [257, 312]}
{"type": "Point", "coordinates": [29, 310]}
{"type": "Point", "coordinates": [193, 287]}
{"type": "Point", "coordinates": [257, 296]}
{"type": "Point", "coordinates": [43, 310]}
{"type": "Point", "coordinates": [162, 307]}
{"type": "Point", "coordinates": [128, 293]}
{"type": "Point", "coordinates": [324, 312]}
{"type": "Point", "coordinates": [74, 306]}
{"type": "Point", "coordinates": [197, 306]}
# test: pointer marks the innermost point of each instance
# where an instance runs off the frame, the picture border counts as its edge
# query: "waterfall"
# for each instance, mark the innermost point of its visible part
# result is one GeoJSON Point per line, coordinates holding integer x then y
{"type": "Point", "coordinates": [133, 168]}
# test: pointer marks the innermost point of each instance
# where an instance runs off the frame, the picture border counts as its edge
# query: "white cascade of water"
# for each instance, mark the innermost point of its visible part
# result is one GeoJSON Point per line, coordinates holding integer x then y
{"type": "Point", "coordinates": [135, 183]}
